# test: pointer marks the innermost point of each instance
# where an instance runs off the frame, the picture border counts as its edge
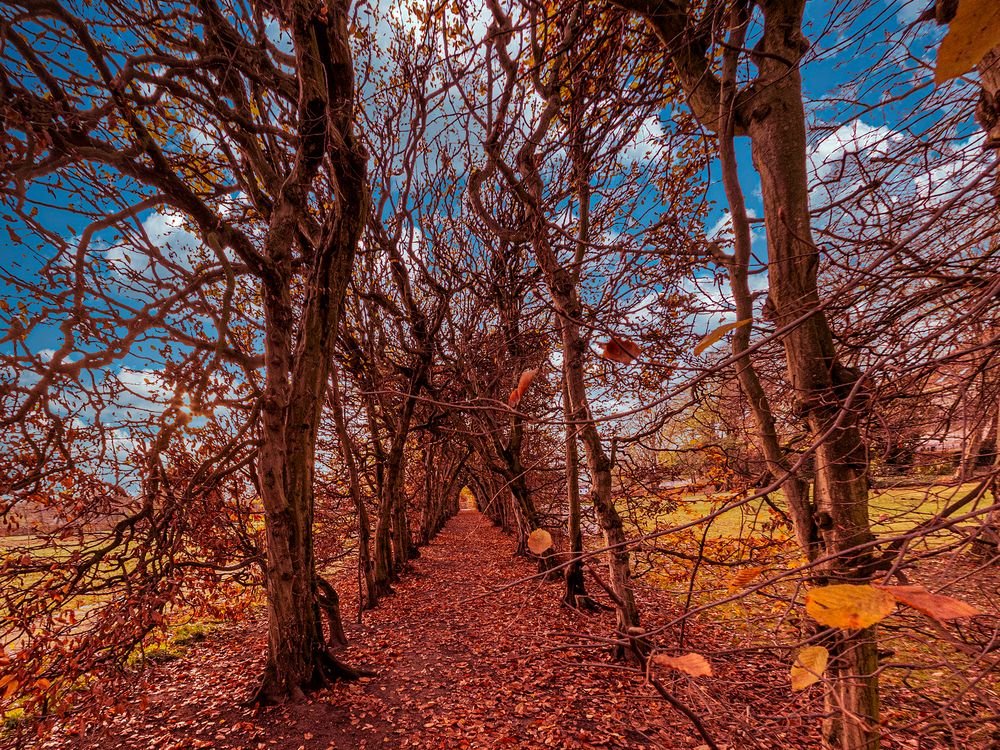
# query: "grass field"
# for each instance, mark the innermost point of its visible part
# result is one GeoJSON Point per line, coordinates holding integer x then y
{"type": "Point", "coordinates": [891, 511]}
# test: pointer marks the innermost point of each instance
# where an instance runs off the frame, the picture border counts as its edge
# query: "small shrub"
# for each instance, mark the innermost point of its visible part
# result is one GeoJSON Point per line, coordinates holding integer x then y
{"type": "Point", "coordinates": [13, 718]}
{"type": "Point", "coordinates": [194, 632]}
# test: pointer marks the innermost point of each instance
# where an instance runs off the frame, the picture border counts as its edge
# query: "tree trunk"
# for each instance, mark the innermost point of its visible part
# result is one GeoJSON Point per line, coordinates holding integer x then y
{"type": "Point", "coordinates": [576, 592]}
{"type": "Point", "coordinates": [823, 388]}
{"type": "Point", "coordinates": [385, 570]}
{"type": "Point", "coordinates": [627, 613]}
{"type": "Point", "coordinates": [770, 111]}
{"type": "Point", "coordinates": [296, 371]}
{"type": "Point", "coordinates": [796, 491]}
{"type": "Point", "coordinates": [368, 593]}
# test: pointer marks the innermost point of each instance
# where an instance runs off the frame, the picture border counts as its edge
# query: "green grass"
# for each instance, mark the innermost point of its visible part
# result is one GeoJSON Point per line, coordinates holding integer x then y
{"type": "Point", "coordinates": [158, 653]}
{"type": "Point", "coordinates": [174, 647]}
{"type": "Point", "coordinates": [13, 718]}
{"type": "Point", "coordinates": [891, 511]}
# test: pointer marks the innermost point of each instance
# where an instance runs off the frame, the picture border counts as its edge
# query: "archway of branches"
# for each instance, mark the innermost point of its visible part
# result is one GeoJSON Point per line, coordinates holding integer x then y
{"type": "Point", "coordinates": [696, 305]}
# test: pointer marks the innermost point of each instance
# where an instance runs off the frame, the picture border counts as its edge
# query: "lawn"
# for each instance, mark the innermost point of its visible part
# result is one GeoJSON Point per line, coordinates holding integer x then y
{"type": "Point", "coordinates": [891, 510]}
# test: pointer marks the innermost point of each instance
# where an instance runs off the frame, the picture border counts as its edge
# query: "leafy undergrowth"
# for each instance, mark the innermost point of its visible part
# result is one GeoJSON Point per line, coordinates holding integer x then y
{"type": "Point", "coordinates": [460, 665]}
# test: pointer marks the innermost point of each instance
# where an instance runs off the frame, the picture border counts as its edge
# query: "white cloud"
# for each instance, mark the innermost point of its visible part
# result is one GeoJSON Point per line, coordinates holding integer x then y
{"type": "Point", "coordinates": [940, 183]}
{"type": "Point", "coordinates": [167, 235]}
{"type": "Point", "coordinates": [853, 138]}
{"type": "Point", "coordinates": [646, 144]}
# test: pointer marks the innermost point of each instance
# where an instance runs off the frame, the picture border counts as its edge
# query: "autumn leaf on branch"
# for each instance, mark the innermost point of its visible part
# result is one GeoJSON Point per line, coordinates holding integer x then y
{"type": "Point", "coordinates": [621, 350]}
{"type": "Point", "coordinates": [717, 335]}
{"type": "Point", "coordinates": [744, 577]}
{"type": "Point", "coordinates": [8, 685]}
{"type": "Point", "coordinates": [937, 606]}
{"type": "Point", "coordinates": [539, 541]}
{"type": "Point", "coordinates": [810, 663]}
{"type": "Point", "coordinates": [522, 386]}
{"type": "Point", "coordinates": [849, 606]}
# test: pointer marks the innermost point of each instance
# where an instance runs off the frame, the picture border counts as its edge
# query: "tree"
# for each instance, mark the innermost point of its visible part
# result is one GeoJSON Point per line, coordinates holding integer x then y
{"type": "Point", "coordinates": [280, 129]}
{"type": "Point", "coordinates": [770, 113]}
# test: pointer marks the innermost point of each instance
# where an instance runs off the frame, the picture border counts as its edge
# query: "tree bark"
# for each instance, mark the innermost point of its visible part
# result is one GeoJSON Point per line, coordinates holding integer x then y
{"type": "Point", "coordinates": [575, 595]}
{"type": "Point", "coordinates": [296, 371]}
{"type": "Point", "coordinates": [822, 386]}
{"type": "Point", "coordinates": [368, 594]}
{"type": "Point", "coordinates": [796, 490]}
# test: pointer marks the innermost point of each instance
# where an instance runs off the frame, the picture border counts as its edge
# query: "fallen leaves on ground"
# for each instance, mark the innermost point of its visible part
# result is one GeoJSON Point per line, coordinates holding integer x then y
{"type": "Point", "coordinates": [459, 666]}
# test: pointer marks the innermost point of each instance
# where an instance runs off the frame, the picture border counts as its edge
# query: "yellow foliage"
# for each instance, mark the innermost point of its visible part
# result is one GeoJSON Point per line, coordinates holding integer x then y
{"type": "Point", "coordinates": [973, 32]}
{"type": "Point", "coordinates": [849, 606]}
{"type": "Point", "coordinates": [810, 663]}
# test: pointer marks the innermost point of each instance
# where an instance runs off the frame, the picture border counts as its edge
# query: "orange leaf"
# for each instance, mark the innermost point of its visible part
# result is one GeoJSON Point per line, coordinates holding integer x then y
{"type": "Point", "coordinates": [621, 350]}
{"type": "Point", "coordinates": [938, 606]}
{"type": "Point", "coordinates": [9, 685]}
{"type": "Point", "coordinates": [693, 664]}
{"type": "Point", "coordinates": [522, 386]}
{"type": "Point", "coordinates": [539, 540]}
{"type": "Point", "coordinates": [973, 32]}
{"type": "Point", "coordinates": [744, 577]}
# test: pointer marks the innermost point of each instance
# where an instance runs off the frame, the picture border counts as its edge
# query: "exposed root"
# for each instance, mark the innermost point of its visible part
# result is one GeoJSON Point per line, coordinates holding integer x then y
{"type": "Point", "coordinates": [327, 669]}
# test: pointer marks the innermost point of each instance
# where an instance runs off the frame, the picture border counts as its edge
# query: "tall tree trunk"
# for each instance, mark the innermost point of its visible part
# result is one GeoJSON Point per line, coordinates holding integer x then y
{"type": "Point", "coordinates": [627, 613]}
{"type": "Point", "coordinates": [796, 490]}
{"type": "Point", "coordinates": [384, 568]}
{"type": "Point", "coordinates": [431, 499]}
{"type": "Point", "coordinates": [296, 372]}
{"type": "Point", "coordinates": [770, 111]}
{"type": "Point", "coordinates": [822, 386]}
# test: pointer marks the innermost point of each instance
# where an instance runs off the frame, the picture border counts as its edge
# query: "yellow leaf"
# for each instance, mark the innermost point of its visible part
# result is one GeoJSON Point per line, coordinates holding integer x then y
{"type": "Point", "coordinates": [693, 664]}
{"type": "Point", "coordinates": [849, 606]}
{"type": "Point", "coordinates": [938, 606]}
{"type": "Point", "coordinates": [810, 663]}
{"type": "Point", "coordinates": [539, 540]}
{"type": "Point", "coordinates": [717, 334]}
{"type": "Point", "coordinates": [973, 32]}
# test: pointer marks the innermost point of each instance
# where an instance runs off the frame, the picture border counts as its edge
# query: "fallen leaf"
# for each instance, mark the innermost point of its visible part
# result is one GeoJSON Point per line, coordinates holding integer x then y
{"type": "Point", "coordinates": [693, 664]}
{"type": "Point", "coordinates": [810, 663]}
{"type": "Point", "coordinates": [849, 606]}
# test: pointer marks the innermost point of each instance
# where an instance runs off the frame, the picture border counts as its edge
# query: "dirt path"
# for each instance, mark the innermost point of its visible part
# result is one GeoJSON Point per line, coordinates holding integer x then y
{"type": "Point", "coordinates": [457, 667]}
